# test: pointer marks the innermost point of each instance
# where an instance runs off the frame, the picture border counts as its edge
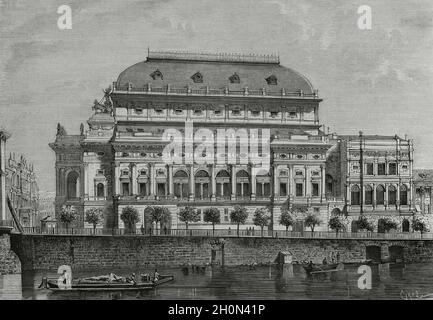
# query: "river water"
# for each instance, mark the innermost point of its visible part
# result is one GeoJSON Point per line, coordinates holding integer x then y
{"type": "Point", "coordinates": [262, 282]}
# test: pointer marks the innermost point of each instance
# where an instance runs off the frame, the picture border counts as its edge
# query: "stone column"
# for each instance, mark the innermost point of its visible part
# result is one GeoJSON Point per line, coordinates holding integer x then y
{"type": "Point", "coordinates": [374, 195]}
{"type": "Point", "coordinates": [86, 180]}
{"type": "Point", "coordinates": [152, 180]}
{"type": "Point", "coordinates": [191, 183]}
{"type": "Point", "coordinates": [275, 188]}
{"type": "Point", "coordinates": [3, 137]}
{"type": "Point", "coordinates": [170, 180]}
{"type": "Point", "coordinates": [213, 183]}
{"type": "Point", "coordinates": [348, 195]}
{"type": "Point", "coordinates": [386, 195]}
{"type": "Point", "coordinates": [307, 182]}
{"type": "Point", "coordinates": [290, 184]}
{"type": "Point", "coordinates": [233, 197]}
{"type": "Point", "coordinates": [253, 182]}
{"type": "Point", "coordinates": [117, 178]}
{"type": "Point", "coordinates": [134, 175]}
{"type": "Point", "coordinates": [398, 196]}
{"type": "Point", "coordinates": [323, 187]}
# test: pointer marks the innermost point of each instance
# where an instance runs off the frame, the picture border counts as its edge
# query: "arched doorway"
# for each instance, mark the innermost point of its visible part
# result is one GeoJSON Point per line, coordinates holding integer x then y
{"type": "Point", "coordinates": [380, 191]}
{"type": "Point", "coordinates": [355, 196]}
{"type": "Point", "coordinates": [380, 226]}
{"type": "Point", "coordinates": [180, 183]}
{"type": "Point", "coordinates": [242, 184]}
{"type": "Point", "coordinates": [202, 184]}
{"type": "Point", "coordinates": [373, 253]}
{"type": "Point", "coordinates": [368, 195]}
{"type": "Point", "coordinates": [392, 195]}
{"type": "Point", "coordinates": [72, 185]}
{"type": "Point", "coordinates": [354, 226]}
{"type": "Point", "coordinates": [223, 189]}
{"type": "Point", "coordinates": [405, 226]}
{"type": "Point", "coordinates": [336, 212]}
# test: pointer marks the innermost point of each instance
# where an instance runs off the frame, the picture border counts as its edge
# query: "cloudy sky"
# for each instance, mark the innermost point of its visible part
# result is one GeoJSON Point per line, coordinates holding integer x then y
{"type": "Point", "coordinates": [379, 80]}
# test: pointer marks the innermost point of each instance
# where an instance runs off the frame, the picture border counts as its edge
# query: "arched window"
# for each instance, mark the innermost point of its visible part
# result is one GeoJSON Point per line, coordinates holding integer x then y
{"type": "Point", "coordinates": [202, 182]}
{"type": "Point", "coordinates": [380, 191]}
{"type": "Point", "coordinates": [368, 194]}
{"type": "Point", "coordinates": [72, 185]}
{"type": "Point", "coordinates": [392, 195]}
{"type": "Point", "coordinates": [223, 184]}
{"type": "Point", "coordinates": [180, 182]}
{"type": "Point", "coordinates": [242, 183]}
{"type": "Point", "coordinates": [100, 190]}
{"type": "Point", "coordinates": [355, 195]}
{"type": "Point", "coordinates": [403, 195]}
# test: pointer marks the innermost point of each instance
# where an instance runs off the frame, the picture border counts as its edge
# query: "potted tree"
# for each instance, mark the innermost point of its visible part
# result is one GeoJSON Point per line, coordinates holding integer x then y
{"type": "Point", "coordinates": [93, 216]}
{"type": "Point", "coordinates": [238, 215]}
{"type": "Point", "coordinates": [336, 224]}
{"type": "Point", "coordinates": [364, 225]}
{"type": "Point", "coordinates": [286, 220]}
{"type": "Point", "coordinates": [261, 219]}
{"type": "Point", "coordinates": [311, 221]}
{"type": "Point", "coordinates": [213, 216]}
{"type": "Point", "coordinates": [67, 215]}
{"type": "Point", "coordinates": [187, 215]}
{"type": "Point", "coordinates": [419, 224]}
{"type": "Point", "coordinates": [130, 218]}
{"type": "Point", "coordinates": [159, 214]}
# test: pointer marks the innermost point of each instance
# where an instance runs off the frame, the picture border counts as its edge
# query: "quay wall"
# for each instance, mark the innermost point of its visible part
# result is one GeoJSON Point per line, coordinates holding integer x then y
{"type": "Point", "coordinates": [9, 262]}
{"type": "Point", "coordinates": [48, 252]}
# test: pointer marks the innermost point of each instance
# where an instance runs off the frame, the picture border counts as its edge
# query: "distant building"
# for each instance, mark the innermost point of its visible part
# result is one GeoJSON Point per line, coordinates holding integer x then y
{"type": "Point", "coordinates": [22, 189]}
{"type": "Point", "coordinates": [423, 182]}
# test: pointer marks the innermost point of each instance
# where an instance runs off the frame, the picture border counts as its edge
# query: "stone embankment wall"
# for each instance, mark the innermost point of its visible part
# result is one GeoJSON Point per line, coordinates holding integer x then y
{"type": "Point", "coordinates": [82, 252]}
{"type": "Point", "coordinates": [9, 262]}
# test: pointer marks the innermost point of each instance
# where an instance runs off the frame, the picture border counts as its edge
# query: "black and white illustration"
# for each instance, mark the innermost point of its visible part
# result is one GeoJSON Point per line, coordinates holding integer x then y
{"type": "Point", "coordinates": [185, 149]}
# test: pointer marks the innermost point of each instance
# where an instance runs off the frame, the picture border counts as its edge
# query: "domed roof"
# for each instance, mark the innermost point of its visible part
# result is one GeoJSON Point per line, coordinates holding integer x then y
{"type": "Point", "coordinates": [214, 70]}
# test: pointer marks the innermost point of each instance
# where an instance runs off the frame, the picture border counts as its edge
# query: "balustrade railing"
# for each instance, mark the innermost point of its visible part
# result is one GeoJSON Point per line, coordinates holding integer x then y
{"type": "Point", "coordinates": [229, 233]}
{"type": "Point", "coordinates": [212, 91]}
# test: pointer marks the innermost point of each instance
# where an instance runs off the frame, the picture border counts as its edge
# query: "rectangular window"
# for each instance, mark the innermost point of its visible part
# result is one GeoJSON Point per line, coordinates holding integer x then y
{"type": "Point", "coordinates": [369, 169]}
{"type": "Point", "coordinates": [125, 188]}
{"type": "Point", "coordinates": [315, 189]}
{"type": "Point", "coordinates": [299, 189]}
{"type": "Point", "coordinates": [274, 114]}
{"type": "Point", "coordinates": [392, 168]}
{"type": "Point", "coordinates": [142, 189]}
{"type": "Point", "coordinates": [292, 114]}
{"type": "Point", "coordinates": [255, 113]}
{"type": "Point", "coordinates": [381, 169]}
{"type": "Point", "coordinates": [161, 189]}
{"type": "Point", "coordinates": [236, 112]}
{"type": "Point", "coordinates": [283, 189]}
{"type": "Point", "coordinates": [226, 215]}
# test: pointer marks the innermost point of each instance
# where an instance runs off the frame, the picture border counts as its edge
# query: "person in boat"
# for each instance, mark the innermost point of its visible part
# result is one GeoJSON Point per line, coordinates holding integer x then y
{"type": "Point", "coordinates": [114, 278]}
{"type": "Point", "coordinates": [156, 276]}
{"type": "Point", "coordinates": [325, 261]}
{"type": "Point", "coordinates": [310, 264]}
{"type": "Point", "coordinates": [145, 277]}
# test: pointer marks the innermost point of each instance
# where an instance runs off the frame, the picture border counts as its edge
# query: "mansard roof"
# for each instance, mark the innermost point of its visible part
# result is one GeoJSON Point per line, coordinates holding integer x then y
{"type": "Point", "coordinates": [180, 69]}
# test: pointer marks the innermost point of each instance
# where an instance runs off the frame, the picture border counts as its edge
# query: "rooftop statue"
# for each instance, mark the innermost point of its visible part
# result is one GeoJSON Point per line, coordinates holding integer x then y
{"type": "Point", "coordinates": [106, 104]}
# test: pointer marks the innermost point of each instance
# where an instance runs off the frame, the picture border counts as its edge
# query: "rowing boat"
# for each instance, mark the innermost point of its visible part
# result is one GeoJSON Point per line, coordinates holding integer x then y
{"type": "Point", "coordinates": [323, 268]}
{"type": "Point", "coordinates": [79, 285]}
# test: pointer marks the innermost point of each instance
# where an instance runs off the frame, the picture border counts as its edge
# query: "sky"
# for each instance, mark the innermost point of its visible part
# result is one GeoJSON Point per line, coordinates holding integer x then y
{"type": "Point", "coordinates": [378, 81]}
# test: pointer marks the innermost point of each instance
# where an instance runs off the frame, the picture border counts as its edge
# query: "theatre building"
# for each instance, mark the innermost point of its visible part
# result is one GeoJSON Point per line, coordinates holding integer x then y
{"type": "Point", "coordinates": [118, 161]}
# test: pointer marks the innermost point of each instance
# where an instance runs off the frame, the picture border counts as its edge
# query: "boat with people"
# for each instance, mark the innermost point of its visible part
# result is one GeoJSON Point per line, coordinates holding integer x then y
{"type": "Point", "coordinates": [312, 268]}
{"type": "Point", "coordinates": [106, 283]}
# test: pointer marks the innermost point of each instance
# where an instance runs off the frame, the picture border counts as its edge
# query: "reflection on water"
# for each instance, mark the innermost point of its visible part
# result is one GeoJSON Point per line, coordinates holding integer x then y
{"type": "Point", "coordinates": [261, 282]}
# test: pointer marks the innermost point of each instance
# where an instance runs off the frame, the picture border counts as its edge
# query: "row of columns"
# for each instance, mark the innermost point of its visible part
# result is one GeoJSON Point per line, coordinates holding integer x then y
{"type": "Point", "coordinates": [253, 181]}
{"type": "Point", "coordinates": [374, 200]}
